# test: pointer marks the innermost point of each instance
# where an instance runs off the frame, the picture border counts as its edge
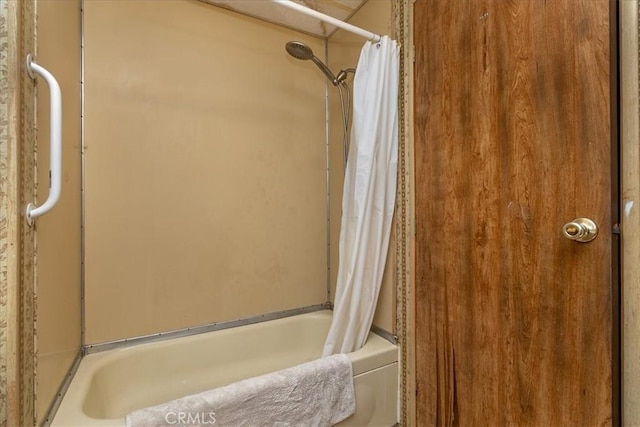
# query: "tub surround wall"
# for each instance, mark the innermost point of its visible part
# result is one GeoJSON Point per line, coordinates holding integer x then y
{"type": "Point", "coordinates": [168, 162]}
{"type": "Point", "coordinates": [344, 51]}
{"type": "Point", "coordinates": [59, 259]}
{"type": "Point", "coordinates": [205, 169]}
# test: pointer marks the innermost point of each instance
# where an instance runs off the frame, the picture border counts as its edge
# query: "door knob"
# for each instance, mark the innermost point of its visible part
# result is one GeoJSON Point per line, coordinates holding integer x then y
{"type": "Point", "coordinates": [581, 230]}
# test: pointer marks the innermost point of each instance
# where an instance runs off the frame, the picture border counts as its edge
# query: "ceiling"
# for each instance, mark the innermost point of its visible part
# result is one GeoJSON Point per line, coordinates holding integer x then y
{"type": "Point", "coordinates": [271, 12]}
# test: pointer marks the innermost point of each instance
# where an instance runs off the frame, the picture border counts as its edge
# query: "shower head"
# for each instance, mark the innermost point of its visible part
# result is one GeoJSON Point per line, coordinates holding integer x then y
{"type": "Point", "coordinates": [300, 50]}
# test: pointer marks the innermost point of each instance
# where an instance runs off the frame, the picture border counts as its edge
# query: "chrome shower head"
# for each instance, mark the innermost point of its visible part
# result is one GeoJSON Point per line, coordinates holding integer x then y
{"type": "Point", "coordinates": [300, 50]}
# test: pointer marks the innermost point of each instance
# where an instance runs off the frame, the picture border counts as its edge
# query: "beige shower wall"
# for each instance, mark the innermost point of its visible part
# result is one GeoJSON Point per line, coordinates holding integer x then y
{"type": "Point", "coordinates": [205, 169]}
{"type": "Point", "coordinates": [344, 52]}
{"type": "Point", "coordinates": [58, 274]}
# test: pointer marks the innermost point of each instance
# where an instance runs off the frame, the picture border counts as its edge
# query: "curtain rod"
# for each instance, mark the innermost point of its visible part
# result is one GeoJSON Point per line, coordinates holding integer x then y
{"type": "Point", "coordinates": [329, 19]}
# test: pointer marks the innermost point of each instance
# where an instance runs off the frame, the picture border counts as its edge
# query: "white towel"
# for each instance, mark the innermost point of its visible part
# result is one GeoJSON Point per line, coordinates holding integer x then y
{"type": "Point", "coordinates": [318, 393]}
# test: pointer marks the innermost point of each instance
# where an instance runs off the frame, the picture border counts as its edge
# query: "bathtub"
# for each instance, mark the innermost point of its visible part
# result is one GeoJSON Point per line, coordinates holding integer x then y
{"type": "Point", "coordinates": [111, 384]}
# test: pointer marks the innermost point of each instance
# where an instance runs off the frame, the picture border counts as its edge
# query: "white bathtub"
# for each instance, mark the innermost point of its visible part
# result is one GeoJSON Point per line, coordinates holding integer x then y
{"type": "Point", "coordinates": [111, 384]}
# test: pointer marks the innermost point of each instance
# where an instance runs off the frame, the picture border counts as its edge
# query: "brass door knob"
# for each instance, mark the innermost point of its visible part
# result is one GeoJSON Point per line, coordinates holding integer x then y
{"type": "Point", "coordinates": [581, 230]}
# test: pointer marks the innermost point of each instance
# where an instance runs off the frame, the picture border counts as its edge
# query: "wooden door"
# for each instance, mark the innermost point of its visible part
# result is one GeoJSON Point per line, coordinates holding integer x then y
{"type": "Point", "coordinates": [513, 136]}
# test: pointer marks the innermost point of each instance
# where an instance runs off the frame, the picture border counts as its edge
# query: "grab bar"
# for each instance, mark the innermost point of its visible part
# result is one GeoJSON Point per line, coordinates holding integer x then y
{"type": "Point", "coordinates": [55, 142]}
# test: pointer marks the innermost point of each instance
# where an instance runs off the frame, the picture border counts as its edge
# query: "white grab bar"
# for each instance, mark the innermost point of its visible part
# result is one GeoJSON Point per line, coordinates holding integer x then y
{"type": "Point", "coordinates": [55, 142]}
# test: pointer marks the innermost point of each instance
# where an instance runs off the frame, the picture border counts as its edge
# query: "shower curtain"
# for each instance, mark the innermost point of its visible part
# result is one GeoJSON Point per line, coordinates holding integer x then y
{"type": "Point", "coordinates": [368, 196]}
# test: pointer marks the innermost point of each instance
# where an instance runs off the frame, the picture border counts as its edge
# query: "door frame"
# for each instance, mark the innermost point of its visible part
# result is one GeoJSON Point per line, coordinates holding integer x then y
{"type": "Point", "coordinates": [17, 187]}
{"type": "Point", "coordinates": [616, 265]}
{"type": "Point", "coordinates": [405, 216]}
{"type": "Point", "coordinates": [629, 182]}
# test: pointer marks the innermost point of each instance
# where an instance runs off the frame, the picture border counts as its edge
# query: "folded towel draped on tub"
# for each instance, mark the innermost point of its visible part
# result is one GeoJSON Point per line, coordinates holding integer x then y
{"type": "Point", "coordinates": [318, 393]}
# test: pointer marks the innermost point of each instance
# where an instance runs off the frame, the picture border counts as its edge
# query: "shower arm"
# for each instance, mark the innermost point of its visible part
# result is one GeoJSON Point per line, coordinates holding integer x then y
{"type": "Point", "coordinates": [342, 75]}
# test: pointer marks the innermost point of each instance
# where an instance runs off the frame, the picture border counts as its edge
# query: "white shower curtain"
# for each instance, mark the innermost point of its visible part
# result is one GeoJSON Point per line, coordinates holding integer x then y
{"type": "Point", "coordinates": [369, 196]}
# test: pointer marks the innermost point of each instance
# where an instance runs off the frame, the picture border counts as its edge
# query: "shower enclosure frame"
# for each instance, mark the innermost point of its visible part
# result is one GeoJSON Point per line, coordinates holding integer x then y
{"type": "Point", "coordinates": [22, 308]}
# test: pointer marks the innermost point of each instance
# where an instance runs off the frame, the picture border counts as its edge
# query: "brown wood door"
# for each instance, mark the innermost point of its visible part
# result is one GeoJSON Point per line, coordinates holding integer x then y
{"type": "Point", "coordinates": [513, 137]}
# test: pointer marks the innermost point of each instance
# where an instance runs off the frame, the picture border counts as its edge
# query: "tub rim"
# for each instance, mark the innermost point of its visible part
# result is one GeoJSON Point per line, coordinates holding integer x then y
{"type": "Point", "coordinates": [376, 353]}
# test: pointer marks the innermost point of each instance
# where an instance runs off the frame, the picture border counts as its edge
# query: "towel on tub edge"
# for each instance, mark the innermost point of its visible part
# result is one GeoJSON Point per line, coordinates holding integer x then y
{"type": "Point", "coordinates": [317, 393]}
